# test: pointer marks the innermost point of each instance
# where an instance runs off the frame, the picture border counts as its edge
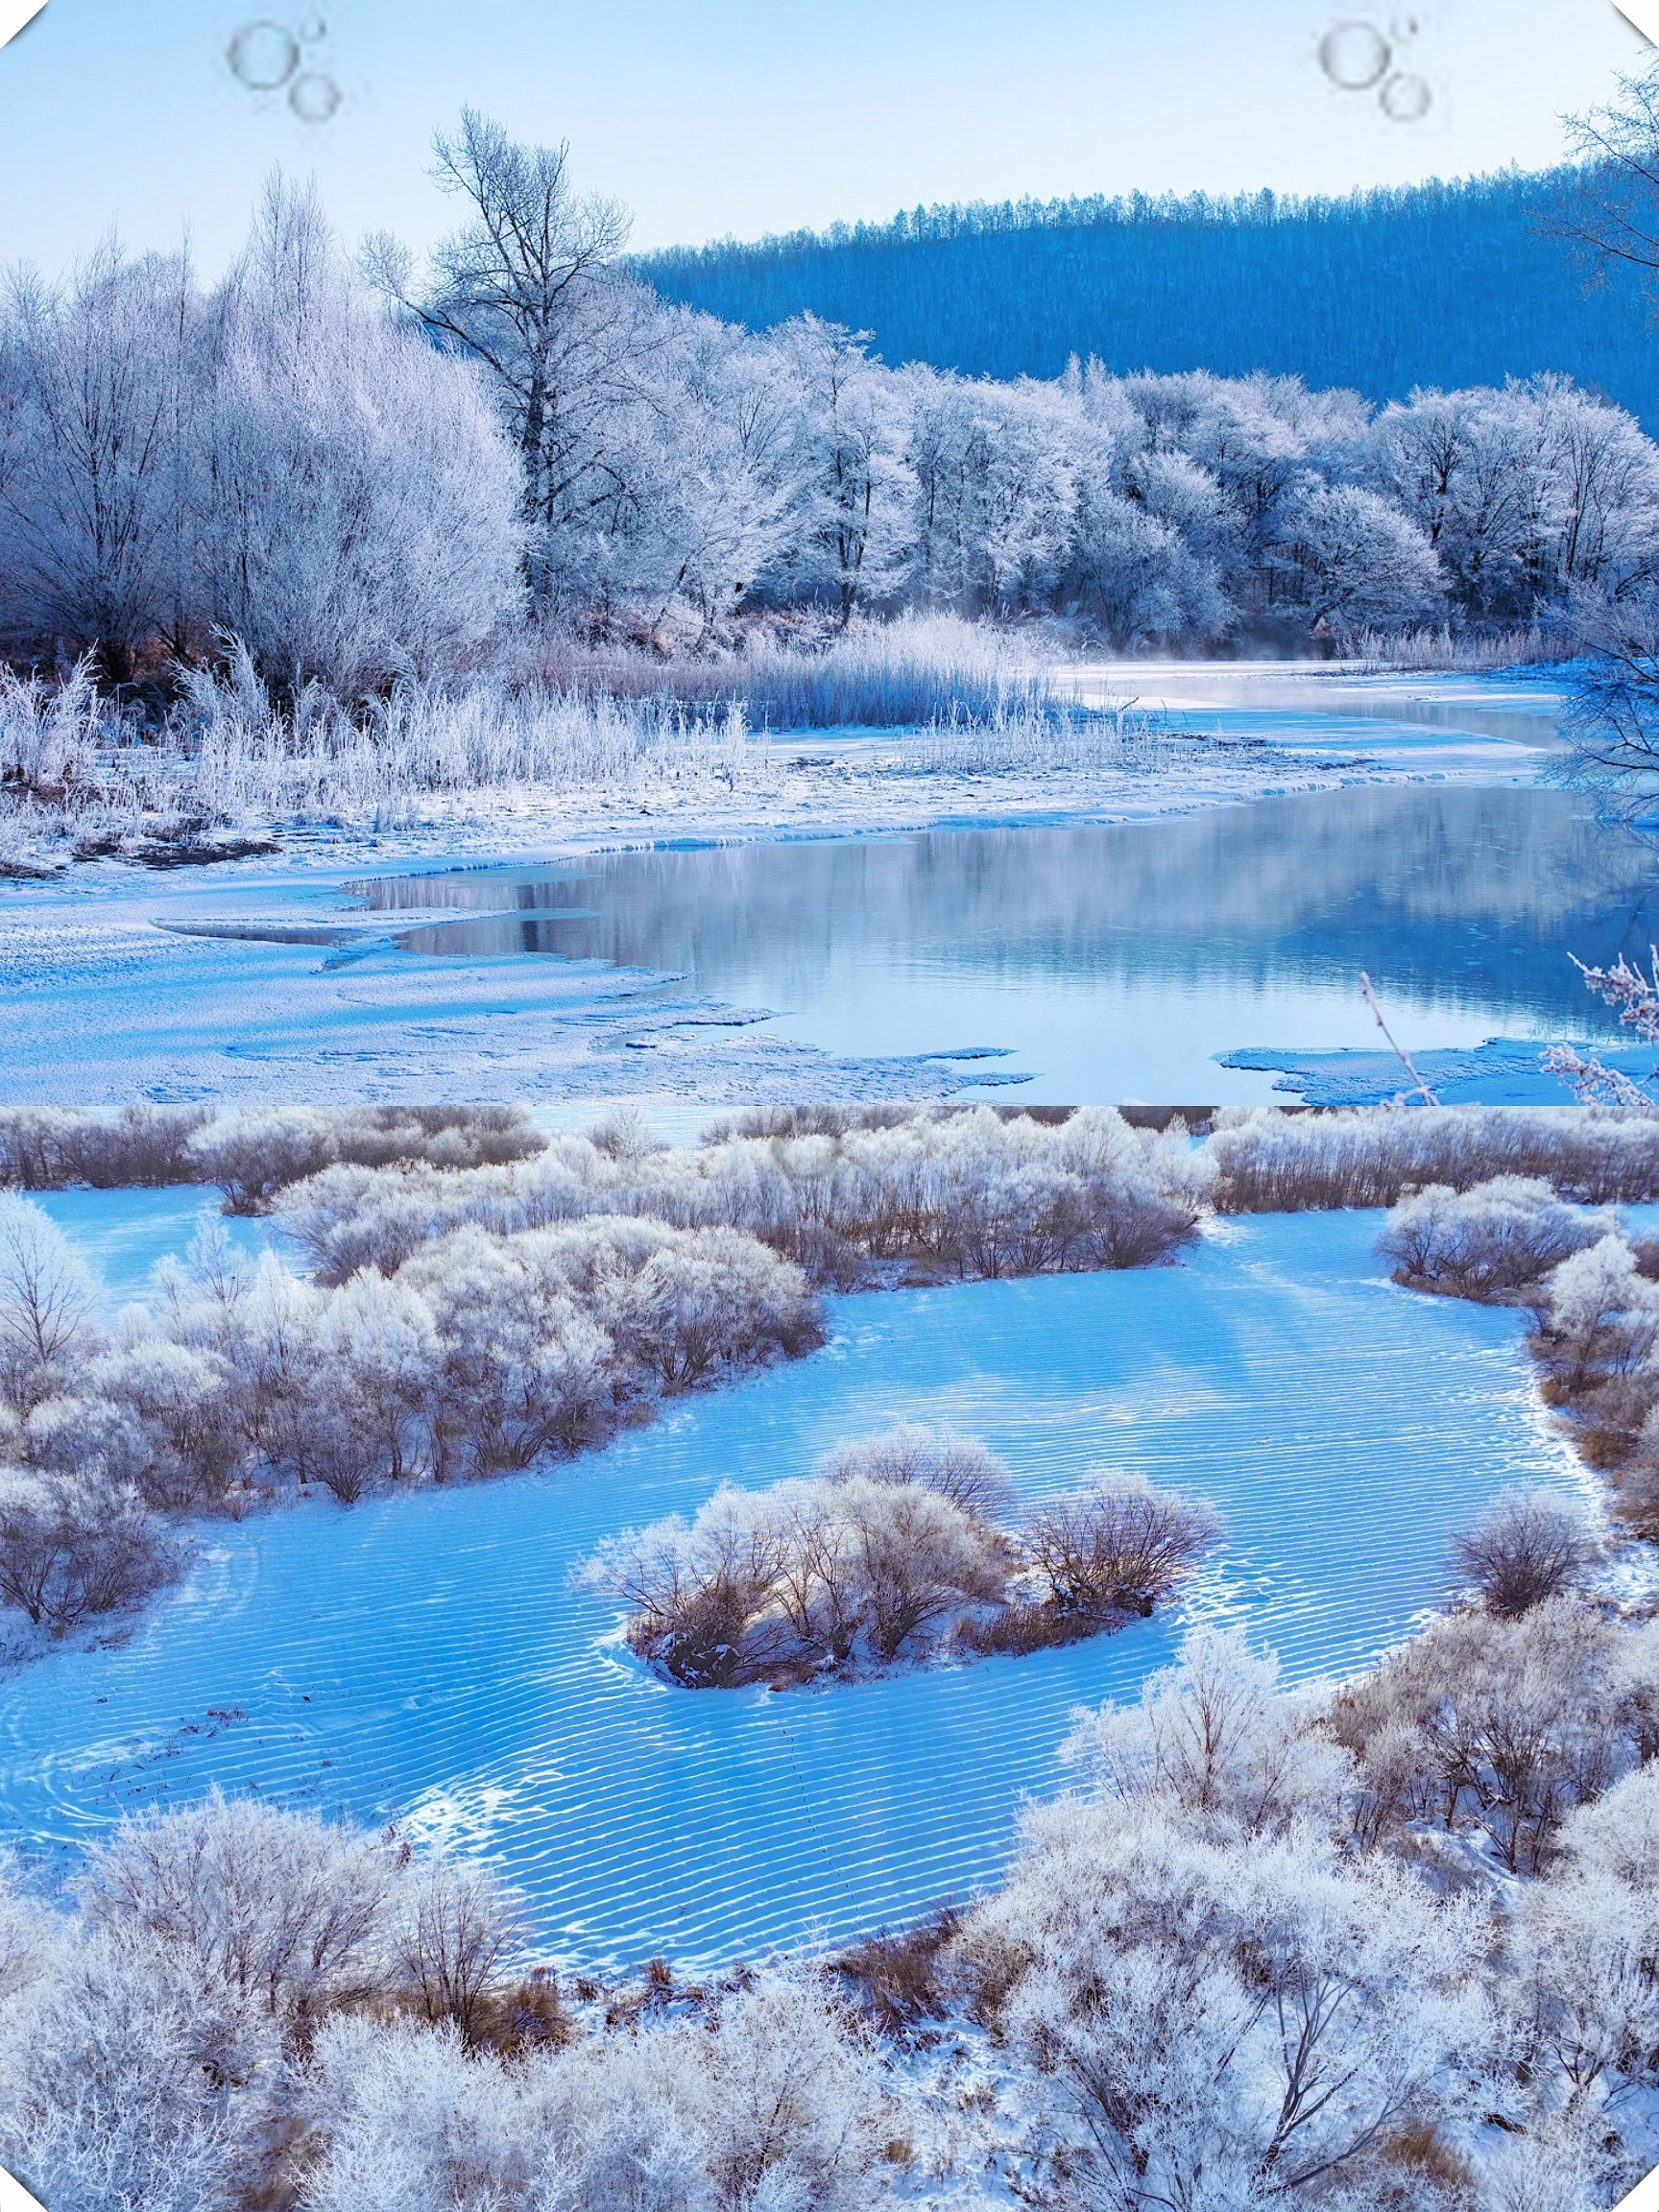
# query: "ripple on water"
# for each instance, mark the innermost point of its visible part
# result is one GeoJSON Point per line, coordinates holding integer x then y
{"type": "Point", "coordinates": [424, 1657]}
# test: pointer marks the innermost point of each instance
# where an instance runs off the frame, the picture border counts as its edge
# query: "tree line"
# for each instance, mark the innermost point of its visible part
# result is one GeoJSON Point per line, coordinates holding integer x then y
{"type": "Point", "coordinates": [368, 469]}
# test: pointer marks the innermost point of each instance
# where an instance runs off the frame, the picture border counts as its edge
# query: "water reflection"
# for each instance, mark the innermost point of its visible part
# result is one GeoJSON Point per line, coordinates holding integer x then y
{"type": "Point", "coordinates": [1113, 961]}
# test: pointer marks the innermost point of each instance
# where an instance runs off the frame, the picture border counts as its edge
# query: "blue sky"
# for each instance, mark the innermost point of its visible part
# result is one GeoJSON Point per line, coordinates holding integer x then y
{"type": "Point", "coordinates": [740, 116]}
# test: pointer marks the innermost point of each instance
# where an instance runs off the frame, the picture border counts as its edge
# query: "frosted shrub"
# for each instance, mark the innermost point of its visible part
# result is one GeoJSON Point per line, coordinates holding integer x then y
{"type": "Point", "coordinates": [1489, 1241]}
{"type": "Point", "coordinates": [1118, 1548]}
{"type": "Point", "coordinates": [253, 1155]}
{"type": "Point", "coordinates": [378, 1363]}
{"type": "Point", "coordinates": [1215, 1737]}
{"type": "Point", "coordinates": [772, 2100]}
{"type": "Point", "coordinates": [1507, 1724]}
{"type": "Point", "coordinates": [1528, 1546]}
{"type": "Point", "coordinates": [75, 1545]}
{"type": "Point", "coordinates": [281, 1911]}
{"type": "Point", "coordinates": [904, 1195]}
{"type": "Point", "coordinates": [547, 1334]}
{"type": "Point", "coordinates": [1600, 1313]}
{"type": "Point", "coordinates": [708, 1299]}
{"type": "Point", "coordinates": [1212, 2022]}
{"type": "Point", "coordinates": [124, 2083]}
{"type": "Point", "coordinates": [55, 1147]}
{"type": "Point", "coordinates": [457, 1928]}
{"type": "Point", "coordinates": [957, 1468]}
{"type": "Point", "coordinates": [893, 1550]}
{"type": "Point", "coordinates": [524, 1370]}
{"type": "Point", "coordinates": [1271, 1161]}
{"type": "Point", "coordinates": [801, 1579]}
{"type": "Point", "coordinates": [162, 1415]}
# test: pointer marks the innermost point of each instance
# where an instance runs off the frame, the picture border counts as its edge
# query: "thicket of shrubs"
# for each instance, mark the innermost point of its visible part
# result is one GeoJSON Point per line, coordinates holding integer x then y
{"type": "Point", "coordinates": [1594, 1301]}
{"type": "Point", "coordinates": [251, 1155]}
{"type": "Point", "coordinates": [899, 1548]}
{"type": "Point", "coordinates": [239, 1379]}
{"type": "Point", "coordinates": [1269, 1162]}
{"type": "Point", "coordinates": [909, 1194]}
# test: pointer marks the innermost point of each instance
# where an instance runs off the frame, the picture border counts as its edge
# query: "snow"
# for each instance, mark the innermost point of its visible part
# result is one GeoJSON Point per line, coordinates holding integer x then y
{"type": "Point", "coordinates": [1502, 1071]}
{"type": "Point", "coordinates": [122, 1234]}
{"type": "Point", "coordinates": [425, 1657]}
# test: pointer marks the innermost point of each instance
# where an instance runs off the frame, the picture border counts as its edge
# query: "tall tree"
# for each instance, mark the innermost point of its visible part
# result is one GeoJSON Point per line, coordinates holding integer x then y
{"type": "Point", "coordinates": [523, 286]}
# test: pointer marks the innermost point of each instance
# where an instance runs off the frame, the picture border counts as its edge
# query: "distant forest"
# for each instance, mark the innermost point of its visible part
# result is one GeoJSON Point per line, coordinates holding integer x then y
{"type": "Point", "coordinates": [1435, 285]}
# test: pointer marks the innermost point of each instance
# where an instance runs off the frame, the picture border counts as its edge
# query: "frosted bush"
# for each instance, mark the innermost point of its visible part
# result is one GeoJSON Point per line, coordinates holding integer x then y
{"type": "Point", "coordinates": [76, 1546]}
{"type": "Point", "coordinates": [771, 2101]}
{"type": "Point", "coordinates": [127, 2084]}
{"type": "Point", "coordinates": [254, 1154]}
{"type": "Point", "coordinates": [916, 1196]}
{"type": "Point", "coordinates": [1507, 1724]}
{"type": "Point", "coordinates": [54, 1148]}
{"type": "Point", "coordinates": [1210, 2021]}
{"type": "Point", "coordinates": [282, 1912]}
{"type": "Point", "coordinates": [1528, 1546]}
{"type": "Point", "coordinates": [48, 1302]}
{"type": "Point", "coordinates": [804, 1577]}
{"type": "Point", "coordinates": [900, 1545]}
{"type": "Point", "coordinates": [1489, 1241]}
{"type": "Point", "coordinates": [958, 1468]}
{"type": "Point", "coordinates": [1118, 1548]}
{"type": "Point", "coordinates": [1601, 1311]}
{"type": "Point", "coordinates": [1216, 1739]}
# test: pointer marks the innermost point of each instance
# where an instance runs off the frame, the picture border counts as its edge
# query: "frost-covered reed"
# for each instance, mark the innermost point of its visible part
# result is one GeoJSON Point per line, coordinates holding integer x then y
{"type": "Point", "coordinates": [1473, 651]}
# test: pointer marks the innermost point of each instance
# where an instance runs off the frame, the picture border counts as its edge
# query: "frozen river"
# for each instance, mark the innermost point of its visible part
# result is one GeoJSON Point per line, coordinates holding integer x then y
{"type": "Point", "coordinates": [1107, 962]}
{"type": "Point", "coordinates": [425, 1657]}
{"type": "Point", "coordinates": [1188, 958]}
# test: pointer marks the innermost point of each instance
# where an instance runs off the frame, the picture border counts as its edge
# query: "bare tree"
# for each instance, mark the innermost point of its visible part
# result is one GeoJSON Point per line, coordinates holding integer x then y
{"type": "Point", "coordinates": [1610, 207]}
{"type": "Point", "coordinates": [461, 1928]}
{"type": "Point", "coordinates": [1118, 1548]}
{"type": "Point", "coordinates": [521, 287]}
{"type": "Point", "coordinates": [1528, 1546]}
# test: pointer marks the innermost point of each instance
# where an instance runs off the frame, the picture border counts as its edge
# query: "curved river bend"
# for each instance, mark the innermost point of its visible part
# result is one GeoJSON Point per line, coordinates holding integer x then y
{"type": "Point", "coordinates": [424, 1658]}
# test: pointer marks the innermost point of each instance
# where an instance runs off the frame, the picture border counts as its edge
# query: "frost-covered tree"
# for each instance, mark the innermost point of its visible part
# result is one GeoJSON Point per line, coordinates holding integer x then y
{"type": "Point", "coordinates": [48, 1307]}
{"type": "Point", "coordinates": [361, 523]}
{"type": "Point", "coordinates": [1356, 562]}
{"type": "Point", "coordinates": [1222, 2021]}
{"type": "Point", "coordinates": [521, 287]}
{"type": "Point", "coordinates": [1488, 1241]}
{"type": "Point", "coordinates": [101, 385]}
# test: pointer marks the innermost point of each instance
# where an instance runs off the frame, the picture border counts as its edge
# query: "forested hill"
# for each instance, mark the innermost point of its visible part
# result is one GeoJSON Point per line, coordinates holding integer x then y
{"type": "Point", "coordinates": [1447, 284]}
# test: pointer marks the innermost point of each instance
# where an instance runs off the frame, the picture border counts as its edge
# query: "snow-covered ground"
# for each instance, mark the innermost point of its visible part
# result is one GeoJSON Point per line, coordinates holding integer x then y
{"type": "Point", "coordinates": [424, 1657]}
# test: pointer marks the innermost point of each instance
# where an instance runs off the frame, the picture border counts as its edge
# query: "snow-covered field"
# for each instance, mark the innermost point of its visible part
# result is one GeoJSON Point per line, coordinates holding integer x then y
{"type": "Point", "coordinates": [424, 1657]}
